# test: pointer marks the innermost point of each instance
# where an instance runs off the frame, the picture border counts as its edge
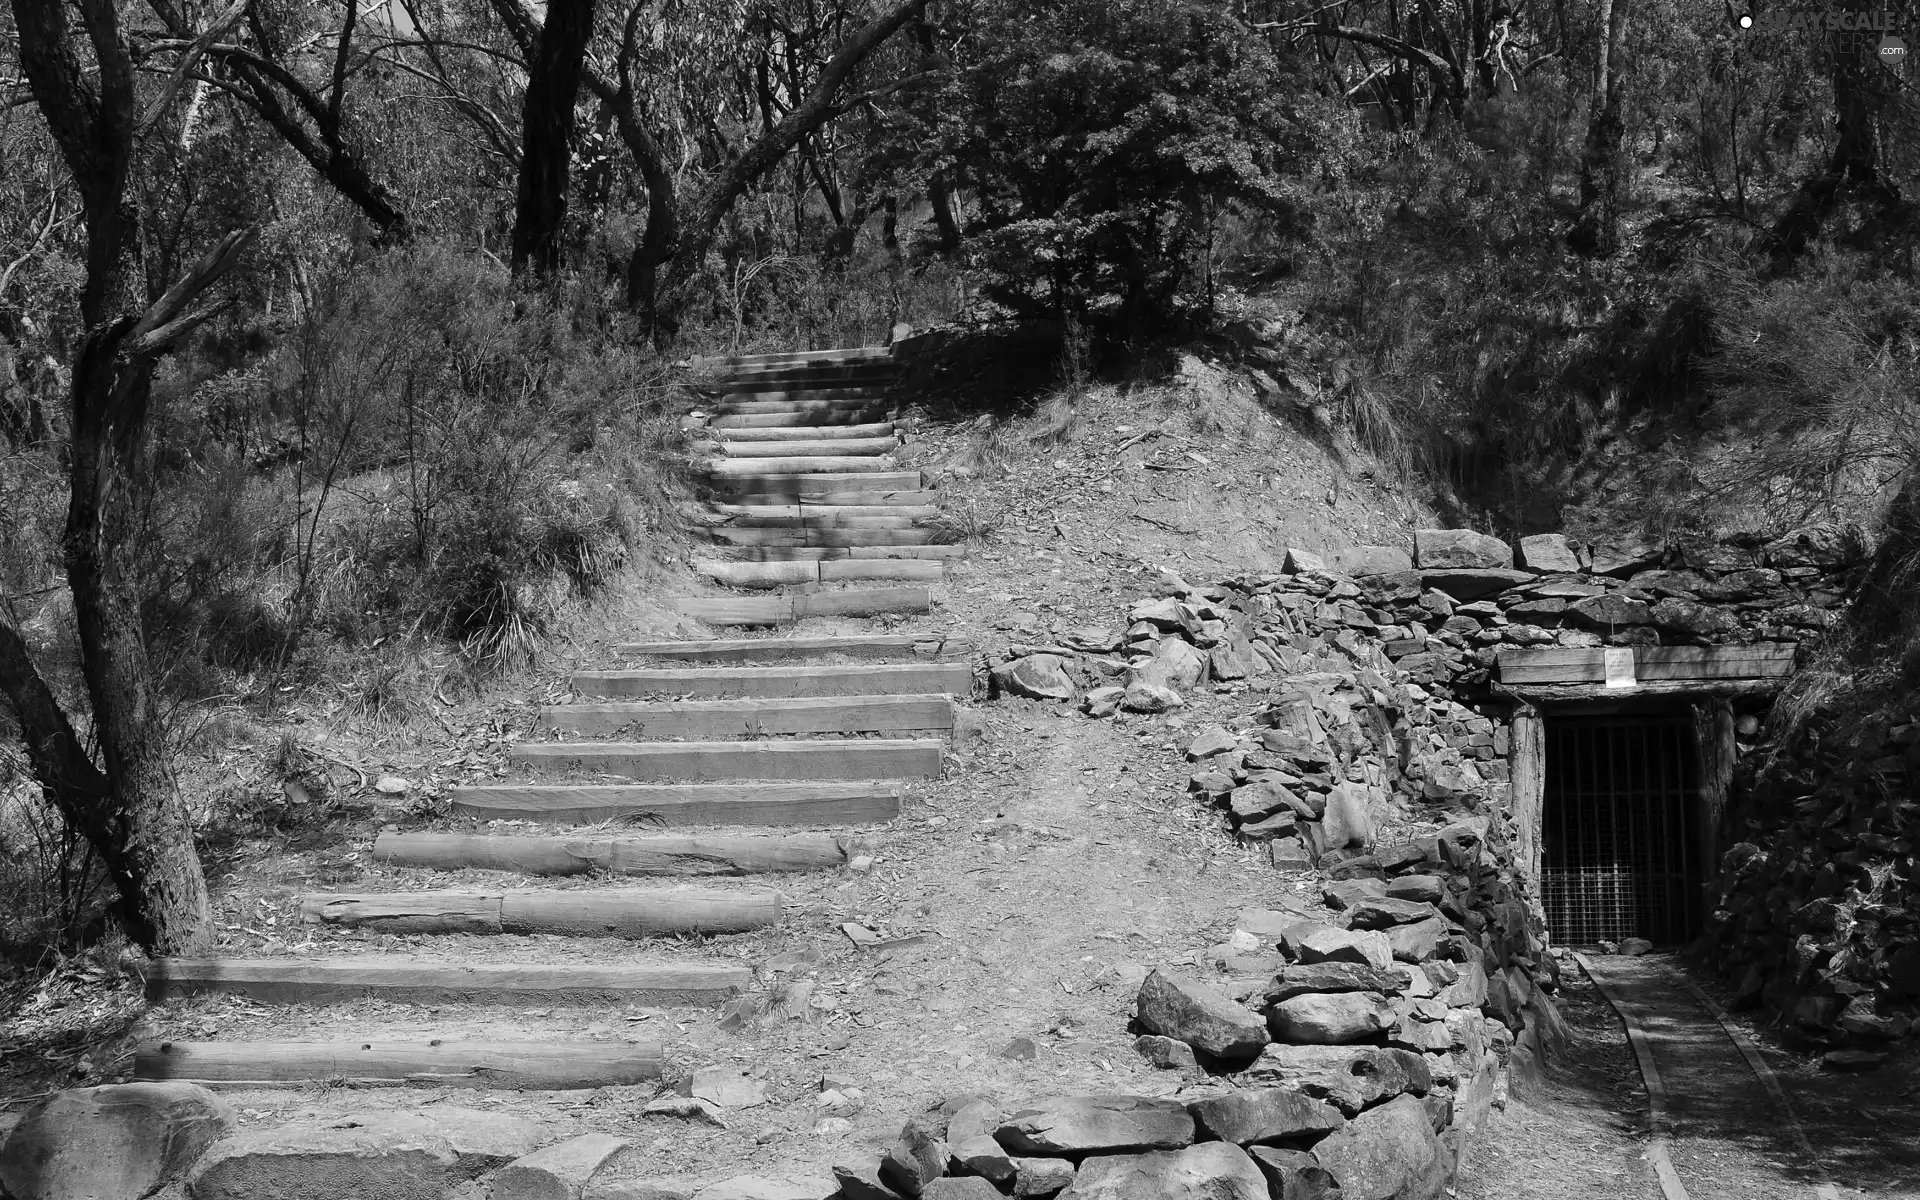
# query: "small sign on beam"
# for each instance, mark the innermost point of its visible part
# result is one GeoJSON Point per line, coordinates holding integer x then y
{"type": "Point", "coordinates": [1620, 667]}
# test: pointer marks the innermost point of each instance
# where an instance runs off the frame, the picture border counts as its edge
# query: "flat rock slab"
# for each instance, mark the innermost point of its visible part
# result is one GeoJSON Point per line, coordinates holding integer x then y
{"type": "Point", "coordinates": [1204, 1017]}
{"type": "Point", "coordinates": [769, 1187]}
{"type": "Point", "coordinates": [1303, 979]}
{"type": "Point", "coordinates": [1264, 1115]}
{"type": "Point", "coordinates": [1436, 548]}
{"type": "Point", "coordinates": [557, 1172]}
{"type": "Point", "coordinates": [395, 1156]}
{"type": "Point", "coordinates": [1097, 1125]}
{"type": "Point", "coordinates": [1210, 1171]}
{"type": "Point", "coordinates": [1386, 912]}
{"type": "Point", "coordinates": [1326, 944]}
{"type": "Point", "coordinates": [102, 1143]}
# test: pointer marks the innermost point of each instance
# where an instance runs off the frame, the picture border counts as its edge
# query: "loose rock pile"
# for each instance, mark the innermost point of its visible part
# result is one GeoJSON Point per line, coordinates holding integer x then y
{"type": "Point", "coordinates": [1821, 924]}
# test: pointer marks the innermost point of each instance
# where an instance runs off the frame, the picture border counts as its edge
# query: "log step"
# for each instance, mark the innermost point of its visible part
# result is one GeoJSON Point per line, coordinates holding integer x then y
{"type": "Point", "coordinates": [622, 913]}
{"type": "Point", "coordinates": [805, 422]}
{"type": "Point", "coordinates": [829, 536]}
{"type": "Point", "coordinates": [798, 465]}
{"type": "Point", "coordinates": [779, 683]}
{"type": "Point", "coordinates": [835, 404]}
{"type": "Point", "coordinates": [659, 854]}
{"type": "Point", "coordinates": [740, 650]}
{"type": "Point", "coordinates": [833, 553]}
{"type": "Point", "coordinates": [827, 514]}
{"type": "Point", "coordinates": [798, 519]}
{"type": "Point", "coordinates": [709, 720]}
{"type": "Point", "coordinates": [809, 447]}
{"type": "Point", "coordinates": [405, 977]}
{"type": "Point", "coordinates": [857, 802]}
{"type": "Point", "coordinates": [822, 758]}
{"type": "Point", "coordinates": [876, 500]}
{"type": "Point", "coordinates": [784, 378]}
{"type": "Point", "coordinates": [779, 610]}
{"type": "Point", "coordinates": [490, 1064]}
{"type": "Point", "coordinates": [781, 574]}
{"type": "Point", "coordinates": [842, 354]}
{"type": "Point", "coordinates": [876, 429]}
{"type": "Point", "coordinates": [775, 483]}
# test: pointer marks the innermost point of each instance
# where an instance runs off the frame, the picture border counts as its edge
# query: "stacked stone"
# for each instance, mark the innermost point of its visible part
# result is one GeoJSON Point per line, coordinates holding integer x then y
{"type": "Point", "coordinates": [1823, 924]}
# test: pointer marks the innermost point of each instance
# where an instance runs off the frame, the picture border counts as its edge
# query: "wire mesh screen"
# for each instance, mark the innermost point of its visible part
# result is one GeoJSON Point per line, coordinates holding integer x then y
{"type": "Point", "coordinates": [1619, 853]}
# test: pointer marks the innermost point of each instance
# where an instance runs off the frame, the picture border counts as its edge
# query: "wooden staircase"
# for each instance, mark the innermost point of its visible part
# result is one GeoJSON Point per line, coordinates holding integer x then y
{"type": "Point", "coordinates": [819, 734]}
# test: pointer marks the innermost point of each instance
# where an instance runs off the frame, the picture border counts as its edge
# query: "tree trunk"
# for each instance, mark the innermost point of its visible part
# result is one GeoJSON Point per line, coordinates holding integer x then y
{"type": "Point", "coordinates": [553, 80]}
{"type": "Point", "coordinates": [1596, 232]}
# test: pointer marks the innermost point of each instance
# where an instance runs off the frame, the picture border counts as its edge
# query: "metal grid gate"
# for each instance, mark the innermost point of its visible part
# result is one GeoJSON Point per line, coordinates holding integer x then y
{"type": "Point", "coordinates": [1619, 853]}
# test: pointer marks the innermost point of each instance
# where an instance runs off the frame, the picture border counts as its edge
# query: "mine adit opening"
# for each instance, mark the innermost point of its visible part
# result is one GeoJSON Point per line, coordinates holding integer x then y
{"type": "Point", "coordinates": [1622, 850]}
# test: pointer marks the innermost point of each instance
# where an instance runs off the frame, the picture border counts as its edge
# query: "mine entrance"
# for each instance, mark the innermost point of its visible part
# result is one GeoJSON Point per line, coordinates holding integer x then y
{"type": "Point", "coordinates": [1620, 852]}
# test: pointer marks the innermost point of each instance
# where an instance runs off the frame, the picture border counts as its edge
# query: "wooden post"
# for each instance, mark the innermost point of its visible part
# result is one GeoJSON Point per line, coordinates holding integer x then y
{"type": "Point", "coordinates": [1713, 743]}
{"type": "Point", "coordinates": [1526, 761]}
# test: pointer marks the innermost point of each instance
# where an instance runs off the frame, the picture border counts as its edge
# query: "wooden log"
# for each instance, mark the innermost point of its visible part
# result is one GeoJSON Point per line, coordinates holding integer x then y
{"type": "Point", "coordinates": [801, 519]}
{"type": "Point", "coordinates": [855, 569]}
{"type": "Point", "coordinates": [436, 1063]}
{"type": "Point", "coordinates": [834, 553]}
{"type": "Point", "coordinates": [821, 758]}
{"type": "Point", "coordinates": [849, 499]}
{"type": "Point", "coordinates": [406, 977]}
{"type": "Point", "coordinates": [842, 802]}
{"type": "Point", "coordinates": [758, 575]}
{"type": "Point", "coordinates": [878, 679]}
{"type": "Point", "coordinates": [870, 429]}
{"type": "Point", "coordinates": [748, 361]}
{"type": "Point", "coordinates": [805, 536]}
{"type": "Point", "coordinates": [865, 376]}
{"type": "Point", "coordinates": [736, 650]}
{"type": "Point", "coordinates": [657, 854]}
{"type": "Point", "coordinates": [853, 602]}
{"type": "Point", "coordinates": [799, 465]}
{"type": "Point", "coordinates": [737, 610]}
{"type": "Point", "coordinates": [406, 912]}
{"type": "Point", "coordinates": [808, 448]}
{"type": "Point", "coordinates": [790, 417]}
{"type": "Point", "coordinates": [777, 483]}
{"type": "Point", "coordinates": [1626, 699]}
{"type": "Point", "coordinates": [710, 720]}
{"type": "Point", "coordinates": [801, 398]}
{"type": "Point", "coordinates": [1761, 660]}
{"type": "Point", "coordinates": [802, 571]}
{"type": "Point", "coordinates": [638, 914]}
{"type": "Point", "coordinates": [580, 913]}
{"type": "Point", "coordinates": [828, 514]}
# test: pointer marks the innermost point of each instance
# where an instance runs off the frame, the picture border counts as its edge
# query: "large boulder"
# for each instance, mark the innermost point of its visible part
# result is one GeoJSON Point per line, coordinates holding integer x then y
{"type": "Point", "coordinates": [1097, 1125]}
{"type": "Point", "coordinates": [1323, 943]}
{"type": "Point", "coordinates": [1467, 583]}
{"type": "Point", "coordinates": [1437, 548]}
{"type": "Point", "coordinates": [1363, 561]}
{"type": "Point", "coordinates": [1264, 1115]}
{"type": "Point", "coordinates": [1041, 1176]}
{"type": "Point", "coordinates": [1039, 676]}
{"type": "Point", "coordinates": [119, 1142]}
{"type": "Point", "coordinates": [1201, 1016]}
{"type": "Point", "coordinates": [1294, 1174]}
{"type": "Point", "coordinates": [1386, 1153]}
{"type": "Point", "coordinates": [919, 1156]}
{"type": "Point", "coordinates": [1348, 1077]}
{"type": "Point", "coordinates": [1330, 1019]}
{"type": "Point", "coordinates": [1609, 612]}
{"type": "Point", "coordinates": [393, 1155]}
{"type": "Point", "coordinates": [1209, 1171]}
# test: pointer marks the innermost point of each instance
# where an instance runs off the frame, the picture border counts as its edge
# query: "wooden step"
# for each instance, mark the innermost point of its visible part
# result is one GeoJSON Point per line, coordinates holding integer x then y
{"type": "Point", "coordinates": [803, 421]}
{"type": "Point", "coordinates": [820, 758]}
{"type": "Point", "coordinates": [842, 407]}
{"type": "Point", "coordinates": [775, 483]}
{"type": "Point", "coordinates": [581, 854]}
{"type": "Point", "coordinates": [831, 536]}
{"type": "Point", "coordinates": [847, 570]}
{"type": "Point", "coordinates": [876, 500]}
{"type": "Point", "coordinates": [785, 378]}
{"type": "Point", "coordinates": [715, 720]}
{"type": "Point", "coordinates": [749, 361]}
{"type": "Point", "coordinates": [834, 553]}
{"type": "Point", "coordinates": [875, 429]}
{"type": "Point", "coordinates": [742, 650]}
{"type": "Point", "coordinates": [843, 802]}
{"type": "Point", "coordinates": [866, 447]}
{"type": "Point", "coordinates": [573, 912]}
{"type": "Point", "coordinates": [489, 1064]}
{"type": "Point", "coordinates": [795, 518]}
{"type": "Point", "coordinates": [407, 977]}
{"type": "Point", "coordinates": [781, 610]}
{"type": "Point", "coordinates": [799, 465]}
{"type": "Point", "coordinates": [779, 683]}
{"type": "Point", "coordinates": [827, 514]}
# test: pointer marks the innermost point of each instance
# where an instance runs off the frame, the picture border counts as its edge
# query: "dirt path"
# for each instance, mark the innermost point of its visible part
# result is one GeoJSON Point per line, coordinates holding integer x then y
{"type": "Point", "coordinates": [1730, 1139]}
